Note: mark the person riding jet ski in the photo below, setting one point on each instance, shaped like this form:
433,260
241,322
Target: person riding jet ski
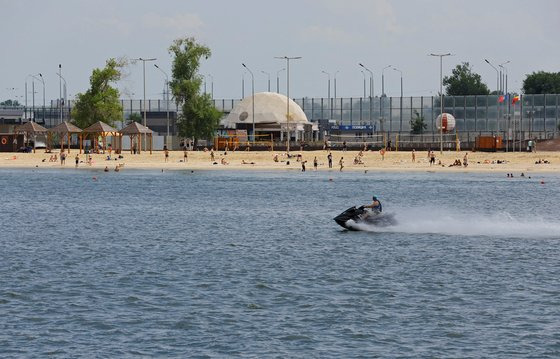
370,214
375,205
373,209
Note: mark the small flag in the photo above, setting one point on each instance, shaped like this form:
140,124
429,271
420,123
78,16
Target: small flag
515,99
501,99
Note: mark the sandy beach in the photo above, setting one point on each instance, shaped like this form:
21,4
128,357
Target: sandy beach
506,162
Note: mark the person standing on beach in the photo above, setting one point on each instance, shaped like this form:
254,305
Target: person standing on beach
185,154
77,158
466,159
413,156
212,158
62,158
341,163
432,158
166,151
315,163
303,166
329,158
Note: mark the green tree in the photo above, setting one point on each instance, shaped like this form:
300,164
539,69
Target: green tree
135,117
199,118
10,103
464,82
101,101
417,124
542,83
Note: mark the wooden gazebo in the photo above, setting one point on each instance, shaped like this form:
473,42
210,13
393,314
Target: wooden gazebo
64,129
135,131
103,130
31,129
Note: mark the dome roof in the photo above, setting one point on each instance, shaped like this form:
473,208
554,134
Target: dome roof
270,107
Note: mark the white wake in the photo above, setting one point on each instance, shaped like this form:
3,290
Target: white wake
453,222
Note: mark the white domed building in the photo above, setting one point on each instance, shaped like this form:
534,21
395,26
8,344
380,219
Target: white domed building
270,120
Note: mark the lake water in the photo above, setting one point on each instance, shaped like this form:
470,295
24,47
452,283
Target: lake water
243,264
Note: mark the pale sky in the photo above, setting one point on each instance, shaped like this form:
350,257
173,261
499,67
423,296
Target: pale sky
330,35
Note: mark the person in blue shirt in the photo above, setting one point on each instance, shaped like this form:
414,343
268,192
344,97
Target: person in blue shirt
375,206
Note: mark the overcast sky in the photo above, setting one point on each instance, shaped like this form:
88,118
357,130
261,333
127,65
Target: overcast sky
330,35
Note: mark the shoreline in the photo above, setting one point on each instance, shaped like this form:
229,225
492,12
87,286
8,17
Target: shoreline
478,162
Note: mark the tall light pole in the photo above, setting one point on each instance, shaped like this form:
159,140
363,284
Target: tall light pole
394,68
364,75
278,79
441,56
60,89
288,95
253,97
371,92
60,93
506,74
497,76
32,94
502,66
144,77
497,92
166,101
43,82
329,91
243,85
335,84
268,75
211,85
383,95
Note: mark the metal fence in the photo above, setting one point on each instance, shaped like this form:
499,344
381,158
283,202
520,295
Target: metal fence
538,114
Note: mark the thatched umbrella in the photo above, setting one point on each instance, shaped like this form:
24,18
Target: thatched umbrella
65,128
136,130
103,130
31,129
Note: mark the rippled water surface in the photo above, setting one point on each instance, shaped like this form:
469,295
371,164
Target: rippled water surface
242,264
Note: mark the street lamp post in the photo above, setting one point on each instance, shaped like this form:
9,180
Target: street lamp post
288,95
243,85
32,94
394,68
329,92
253,97
497,76
60,93
441,56
497,93
371,89
60,89
43,82
364,75
166,101
278,79
335,84
211,85
502,66
268,75
144,77
382,103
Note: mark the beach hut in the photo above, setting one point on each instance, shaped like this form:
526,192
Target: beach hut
135,131
64,129
31,129
103,130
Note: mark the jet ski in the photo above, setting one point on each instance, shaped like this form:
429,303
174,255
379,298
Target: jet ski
356,215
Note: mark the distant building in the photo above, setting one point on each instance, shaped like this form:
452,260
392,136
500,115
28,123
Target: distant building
270,118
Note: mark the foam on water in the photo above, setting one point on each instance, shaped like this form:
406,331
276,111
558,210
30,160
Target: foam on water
454,222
